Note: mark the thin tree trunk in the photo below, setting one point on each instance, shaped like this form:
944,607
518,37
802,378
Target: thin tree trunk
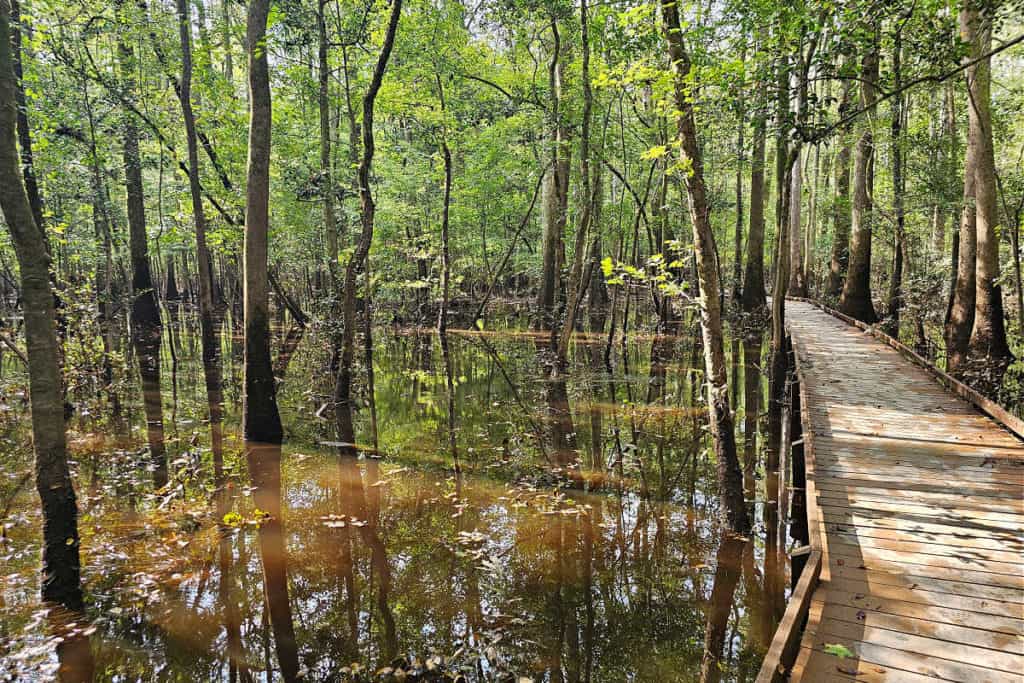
555,200
343,385
326,175
737,247
147,329
28,171
898,187
796,236
61,568
840,257
207,321
576,287
446,278
730,480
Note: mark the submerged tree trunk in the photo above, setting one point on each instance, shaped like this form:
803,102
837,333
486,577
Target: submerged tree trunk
61,568
146,325
261,421
207,313
367,208
855,300
730,480
988,348
446,276
576,287
556,195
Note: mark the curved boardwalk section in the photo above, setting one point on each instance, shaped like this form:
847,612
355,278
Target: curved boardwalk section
918,500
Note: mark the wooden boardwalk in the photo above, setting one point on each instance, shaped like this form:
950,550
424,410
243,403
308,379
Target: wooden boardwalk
916,499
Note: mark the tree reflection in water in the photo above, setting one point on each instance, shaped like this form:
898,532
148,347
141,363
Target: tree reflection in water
333,560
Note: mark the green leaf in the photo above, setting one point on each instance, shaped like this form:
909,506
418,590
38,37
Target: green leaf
606,266
839,650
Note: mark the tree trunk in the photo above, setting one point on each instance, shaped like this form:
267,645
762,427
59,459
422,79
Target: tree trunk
778,360
988,347
737,247
576,287
855,300
446,278
147,331
261,421
754,297
61,568
556,195
229,62
797,287
207,320
326,176
960,314
35,198
898,188
840,211
367,208
730,480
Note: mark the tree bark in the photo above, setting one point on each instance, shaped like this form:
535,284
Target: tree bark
988,347
326,175
261,421
147,330
28,169
556,194
797,286
446,278
960,314
737,249
840,257
730,480
61,568
898,188
207,320
576,287
367,208
754,296
855,300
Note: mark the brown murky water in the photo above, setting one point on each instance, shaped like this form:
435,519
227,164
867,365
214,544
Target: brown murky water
323,569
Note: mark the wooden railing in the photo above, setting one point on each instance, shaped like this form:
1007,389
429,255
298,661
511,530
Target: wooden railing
785,644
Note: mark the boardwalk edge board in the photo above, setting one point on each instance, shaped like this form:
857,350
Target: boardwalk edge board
785,645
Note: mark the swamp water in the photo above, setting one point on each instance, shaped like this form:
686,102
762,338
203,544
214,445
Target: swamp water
326,569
